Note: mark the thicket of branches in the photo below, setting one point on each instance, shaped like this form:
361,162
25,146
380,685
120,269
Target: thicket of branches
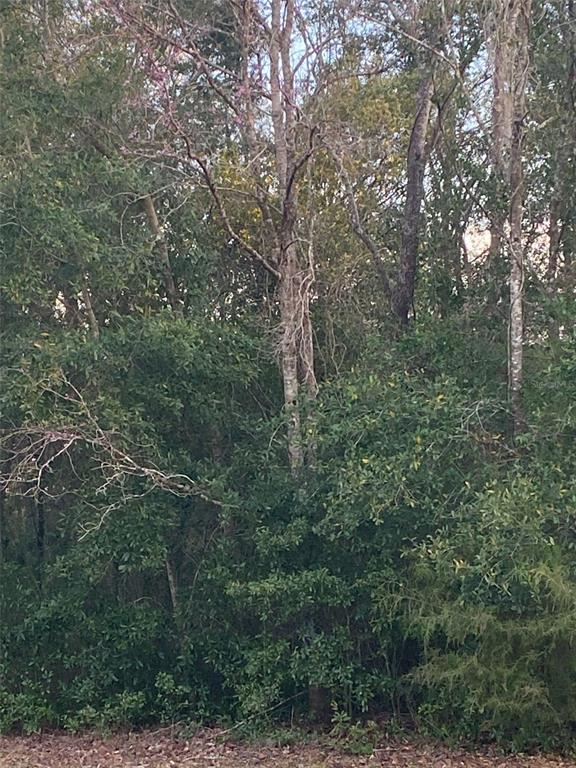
288,363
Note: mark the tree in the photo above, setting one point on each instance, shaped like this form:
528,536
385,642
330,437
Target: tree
508,36
258,94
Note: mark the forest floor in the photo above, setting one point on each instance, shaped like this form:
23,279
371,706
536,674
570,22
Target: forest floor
207,749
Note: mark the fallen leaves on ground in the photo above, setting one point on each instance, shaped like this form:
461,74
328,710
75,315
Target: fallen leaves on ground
157,749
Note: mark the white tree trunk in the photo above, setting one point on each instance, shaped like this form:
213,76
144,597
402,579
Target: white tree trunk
508,28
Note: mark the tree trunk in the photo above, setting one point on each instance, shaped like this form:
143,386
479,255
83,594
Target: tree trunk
510,23
516,341
156,229
40,521
415,167
289,361
555,215
516,347
319,704
296,343
554,240
89,309
173,587
502,23
307,371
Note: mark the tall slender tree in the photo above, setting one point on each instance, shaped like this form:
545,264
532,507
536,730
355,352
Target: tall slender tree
508,27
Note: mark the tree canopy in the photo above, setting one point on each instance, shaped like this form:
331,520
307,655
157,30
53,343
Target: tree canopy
288,359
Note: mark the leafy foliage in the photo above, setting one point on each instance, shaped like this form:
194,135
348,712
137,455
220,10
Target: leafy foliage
159,558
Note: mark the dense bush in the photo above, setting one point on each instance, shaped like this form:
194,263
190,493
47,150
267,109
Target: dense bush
424,566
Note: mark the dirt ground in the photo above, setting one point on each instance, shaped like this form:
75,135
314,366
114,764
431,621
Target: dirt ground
207,749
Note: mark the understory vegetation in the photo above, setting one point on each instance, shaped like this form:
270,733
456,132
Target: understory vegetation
275,444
